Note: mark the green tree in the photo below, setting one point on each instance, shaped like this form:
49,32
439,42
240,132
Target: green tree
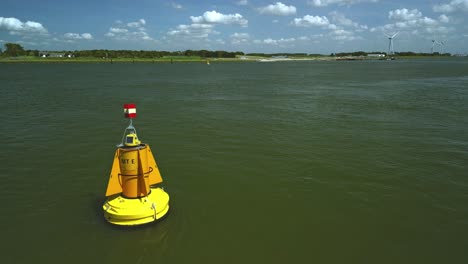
14,50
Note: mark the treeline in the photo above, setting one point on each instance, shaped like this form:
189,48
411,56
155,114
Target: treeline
283,54
15,50
406,53
409,53
356,53
153,54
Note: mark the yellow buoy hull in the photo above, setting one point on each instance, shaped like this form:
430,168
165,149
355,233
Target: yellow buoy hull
119,210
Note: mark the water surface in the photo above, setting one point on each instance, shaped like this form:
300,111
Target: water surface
290,162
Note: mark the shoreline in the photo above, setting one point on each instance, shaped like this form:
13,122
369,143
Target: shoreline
207,60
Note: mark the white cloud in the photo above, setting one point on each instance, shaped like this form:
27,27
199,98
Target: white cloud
242,2
192,31
118,30
213,17
338,2
341,20
271,41
240,35
444,19
17,27
426,21
137,24
404,14
176,6
309,21
278,9
86,36
134,31
315,38
220,41
29,43
203,26
453,6
343,35
143,35
413,21
337,31
239,38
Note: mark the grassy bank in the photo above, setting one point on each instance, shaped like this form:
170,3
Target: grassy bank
30,59
179,59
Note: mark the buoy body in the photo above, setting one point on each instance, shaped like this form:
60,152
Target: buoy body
131,199
119,210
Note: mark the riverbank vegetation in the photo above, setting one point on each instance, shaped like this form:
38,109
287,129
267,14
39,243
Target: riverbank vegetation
16,53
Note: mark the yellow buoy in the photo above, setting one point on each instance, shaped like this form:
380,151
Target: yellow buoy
132,198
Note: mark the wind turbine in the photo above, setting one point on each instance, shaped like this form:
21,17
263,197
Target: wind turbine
390,43
442,44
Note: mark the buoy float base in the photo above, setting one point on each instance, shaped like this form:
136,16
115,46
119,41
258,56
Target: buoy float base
123,211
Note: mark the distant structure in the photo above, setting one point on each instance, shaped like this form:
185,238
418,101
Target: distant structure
433,44
55,54
378,55
440,44
391,51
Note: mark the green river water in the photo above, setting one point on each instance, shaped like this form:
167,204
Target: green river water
288,162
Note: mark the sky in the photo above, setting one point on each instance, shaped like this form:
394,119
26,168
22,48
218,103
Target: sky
293,26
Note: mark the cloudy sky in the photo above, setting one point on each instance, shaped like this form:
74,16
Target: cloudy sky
310,26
